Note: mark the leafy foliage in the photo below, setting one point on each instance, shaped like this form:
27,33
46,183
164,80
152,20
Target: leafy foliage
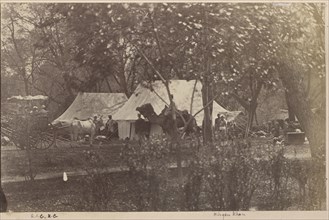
148,165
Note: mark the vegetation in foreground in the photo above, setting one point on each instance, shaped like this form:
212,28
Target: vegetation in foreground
221,177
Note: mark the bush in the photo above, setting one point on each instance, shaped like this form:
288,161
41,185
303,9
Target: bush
276,183
148,174
229,173
221,176
97,186
291,184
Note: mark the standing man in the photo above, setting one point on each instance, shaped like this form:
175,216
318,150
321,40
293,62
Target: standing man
109,126
97,121
222,126
217,121
139,127
276,129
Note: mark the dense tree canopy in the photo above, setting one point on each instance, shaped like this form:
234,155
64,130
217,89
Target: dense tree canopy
236,50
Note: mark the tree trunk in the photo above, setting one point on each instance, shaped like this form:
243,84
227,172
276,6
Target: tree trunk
291,114
256,119
207,95
26,85
251,114
176,142
207,91
252,106
313,124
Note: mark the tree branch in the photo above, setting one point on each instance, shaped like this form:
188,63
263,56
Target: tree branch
41,90
151,64
108,84
192,98
317,16
193,116
14,40
157,39
242,102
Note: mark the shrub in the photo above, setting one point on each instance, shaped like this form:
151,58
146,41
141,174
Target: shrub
148,163
276,181
223,175
231,175
97,186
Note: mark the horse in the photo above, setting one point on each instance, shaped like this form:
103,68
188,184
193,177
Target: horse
164,119
182,117
143,128
82,127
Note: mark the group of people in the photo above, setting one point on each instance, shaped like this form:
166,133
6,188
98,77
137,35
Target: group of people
221,124
33,110
281,127
225,129
37,115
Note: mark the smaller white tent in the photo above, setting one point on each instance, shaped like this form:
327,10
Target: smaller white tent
156,94
86,105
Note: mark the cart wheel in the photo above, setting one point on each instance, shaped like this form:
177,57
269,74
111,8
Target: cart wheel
44,141
20,141
19,145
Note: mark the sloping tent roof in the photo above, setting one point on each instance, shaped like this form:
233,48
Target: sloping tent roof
156,94
86,105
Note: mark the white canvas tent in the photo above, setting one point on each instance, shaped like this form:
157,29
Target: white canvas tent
156,94
86,105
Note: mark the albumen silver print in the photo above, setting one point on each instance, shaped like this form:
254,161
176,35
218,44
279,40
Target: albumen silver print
178,107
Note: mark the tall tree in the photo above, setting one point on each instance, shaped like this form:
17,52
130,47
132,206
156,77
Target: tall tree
20,55
301,65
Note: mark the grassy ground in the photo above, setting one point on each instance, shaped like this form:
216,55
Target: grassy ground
65,158
56,195
37,196
67,196
15,163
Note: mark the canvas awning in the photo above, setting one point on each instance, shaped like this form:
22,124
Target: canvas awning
156,94
87,105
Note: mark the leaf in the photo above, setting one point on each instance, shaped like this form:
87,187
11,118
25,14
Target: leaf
198,26
213,29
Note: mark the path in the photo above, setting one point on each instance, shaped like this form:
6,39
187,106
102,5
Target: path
51,175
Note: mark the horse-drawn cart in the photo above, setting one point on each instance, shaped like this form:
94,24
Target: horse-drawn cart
24,125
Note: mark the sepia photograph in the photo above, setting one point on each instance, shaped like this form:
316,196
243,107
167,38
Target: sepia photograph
180,107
